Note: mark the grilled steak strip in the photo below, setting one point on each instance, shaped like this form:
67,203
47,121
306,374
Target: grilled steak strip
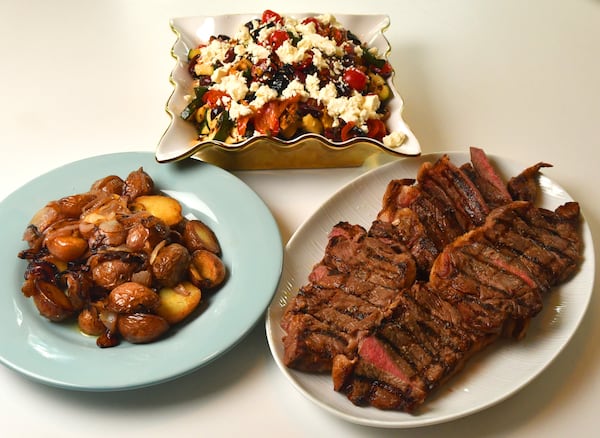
524,187
485,177
452,187
429,213
349,293
487,283
485,263
421,345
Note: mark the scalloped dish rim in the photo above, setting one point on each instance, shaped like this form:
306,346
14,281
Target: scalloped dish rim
179,140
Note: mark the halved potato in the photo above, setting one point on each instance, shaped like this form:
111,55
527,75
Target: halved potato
177,303
163,207
198,235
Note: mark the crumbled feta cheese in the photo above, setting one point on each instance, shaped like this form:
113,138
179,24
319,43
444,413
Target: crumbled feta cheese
243,35
306,28
327,94
288,54
234,85
216,50
294,88
219,74
237,110
254,86
325,45
356,108
312,84
257,51
263,94
290,24
337,67
328,19
318,60
263,34
394,139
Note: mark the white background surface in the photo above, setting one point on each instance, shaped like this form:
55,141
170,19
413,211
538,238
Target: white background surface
520,79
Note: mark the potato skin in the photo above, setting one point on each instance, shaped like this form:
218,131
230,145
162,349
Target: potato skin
197,235
131,297
67,248
170,265
51,302
207,270
89,322
141,328
138,183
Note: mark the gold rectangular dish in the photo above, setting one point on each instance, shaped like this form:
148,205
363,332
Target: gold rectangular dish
262,151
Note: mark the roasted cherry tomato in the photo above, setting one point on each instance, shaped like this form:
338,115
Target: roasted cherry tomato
266,119
385,70
377,129
314,21
242,125
348,131
213,98
277,37
355,79
338,35
269,15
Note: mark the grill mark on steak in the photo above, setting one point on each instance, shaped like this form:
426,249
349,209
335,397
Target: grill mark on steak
552,240
410,354
350,290
476,293
483,263
466,200
311,345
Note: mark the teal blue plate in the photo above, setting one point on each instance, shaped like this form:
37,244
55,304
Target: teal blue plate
60,355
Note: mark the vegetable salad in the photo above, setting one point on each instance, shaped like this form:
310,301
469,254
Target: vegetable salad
284,77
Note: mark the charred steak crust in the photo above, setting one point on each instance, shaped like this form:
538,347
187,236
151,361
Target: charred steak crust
349,293
451,263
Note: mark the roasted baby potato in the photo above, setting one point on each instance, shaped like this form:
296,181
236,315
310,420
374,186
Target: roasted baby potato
177,303
197,235
163,207
131,297
67,248
170,264
207,270
140,328
89,321
51,302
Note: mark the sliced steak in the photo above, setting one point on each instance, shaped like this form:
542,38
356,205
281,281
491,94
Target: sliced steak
418,347
485,177
484,257
349,293
489,282
431,212
524,187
